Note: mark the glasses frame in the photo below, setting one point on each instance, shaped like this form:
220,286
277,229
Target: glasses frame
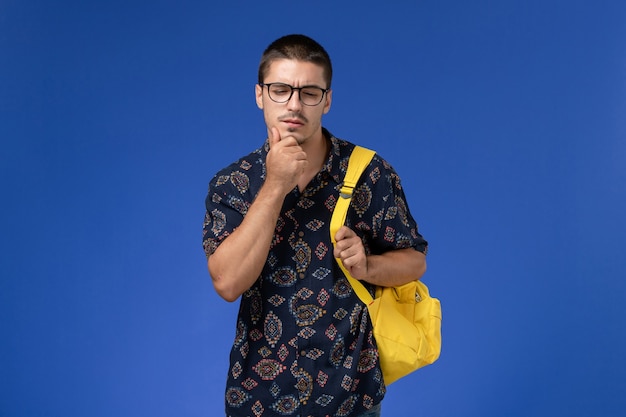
269,85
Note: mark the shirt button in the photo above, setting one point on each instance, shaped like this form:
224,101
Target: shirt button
301,276
303,353
301,234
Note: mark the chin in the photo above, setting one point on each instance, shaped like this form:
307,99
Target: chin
296,134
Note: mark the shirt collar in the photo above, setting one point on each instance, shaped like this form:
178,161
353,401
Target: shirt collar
332,166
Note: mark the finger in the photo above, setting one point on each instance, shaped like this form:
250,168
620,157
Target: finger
349,261
345,248
274,136
344,233
354,265
350,252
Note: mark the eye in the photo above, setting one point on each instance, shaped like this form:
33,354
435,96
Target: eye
312,92
280,89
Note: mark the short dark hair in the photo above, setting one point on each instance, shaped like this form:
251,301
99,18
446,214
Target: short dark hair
298,47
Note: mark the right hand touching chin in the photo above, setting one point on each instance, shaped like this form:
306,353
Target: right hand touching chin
285,162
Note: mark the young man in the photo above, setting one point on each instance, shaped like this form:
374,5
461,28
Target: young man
304,343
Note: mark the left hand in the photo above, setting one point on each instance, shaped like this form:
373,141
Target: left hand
350,250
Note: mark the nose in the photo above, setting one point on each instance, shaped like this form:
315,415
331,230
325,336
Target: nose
294,102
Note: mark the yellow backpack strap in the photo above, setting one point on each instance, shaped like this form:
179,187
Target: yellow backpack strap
359,160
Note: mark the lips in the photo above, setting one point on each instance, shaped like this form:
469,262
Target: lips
293,122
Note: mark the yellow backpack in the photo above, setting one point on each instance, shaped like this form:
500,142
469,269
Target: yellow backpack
406,319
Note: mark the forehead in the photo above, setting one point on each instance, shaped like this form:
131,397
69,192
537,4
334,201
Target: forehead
295,72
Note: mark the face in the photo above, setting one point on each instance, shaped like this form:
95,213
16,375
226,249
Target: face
293,118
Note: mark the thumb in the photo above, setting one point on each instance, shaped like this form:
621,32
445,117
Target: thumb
274,136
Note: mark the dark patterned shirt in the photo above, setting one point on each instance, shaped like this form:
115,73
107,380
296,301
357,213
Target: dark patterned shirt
303,343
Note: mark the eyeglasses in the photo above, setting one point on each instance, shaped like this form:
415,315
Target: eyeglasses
281,93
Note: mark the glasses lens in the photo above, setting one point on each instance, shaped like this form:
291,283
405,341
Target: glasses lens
280,93
311,95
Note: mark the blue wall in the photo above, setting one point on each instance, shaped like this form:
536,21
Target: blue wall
505,120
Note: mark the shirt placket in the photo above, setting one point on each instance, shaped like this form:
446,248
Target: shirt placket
306,335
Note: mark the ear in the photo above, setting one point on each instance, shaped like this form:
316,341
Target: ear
329,99
258,92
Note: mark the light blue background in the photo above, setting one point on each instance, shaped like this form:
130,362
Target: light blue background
505,119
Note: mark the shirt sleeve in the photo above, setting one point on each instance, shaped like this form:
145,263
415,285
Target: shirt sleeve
379,212
227,203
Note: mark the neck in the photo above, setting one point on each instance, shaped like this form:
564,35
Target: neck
316,149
